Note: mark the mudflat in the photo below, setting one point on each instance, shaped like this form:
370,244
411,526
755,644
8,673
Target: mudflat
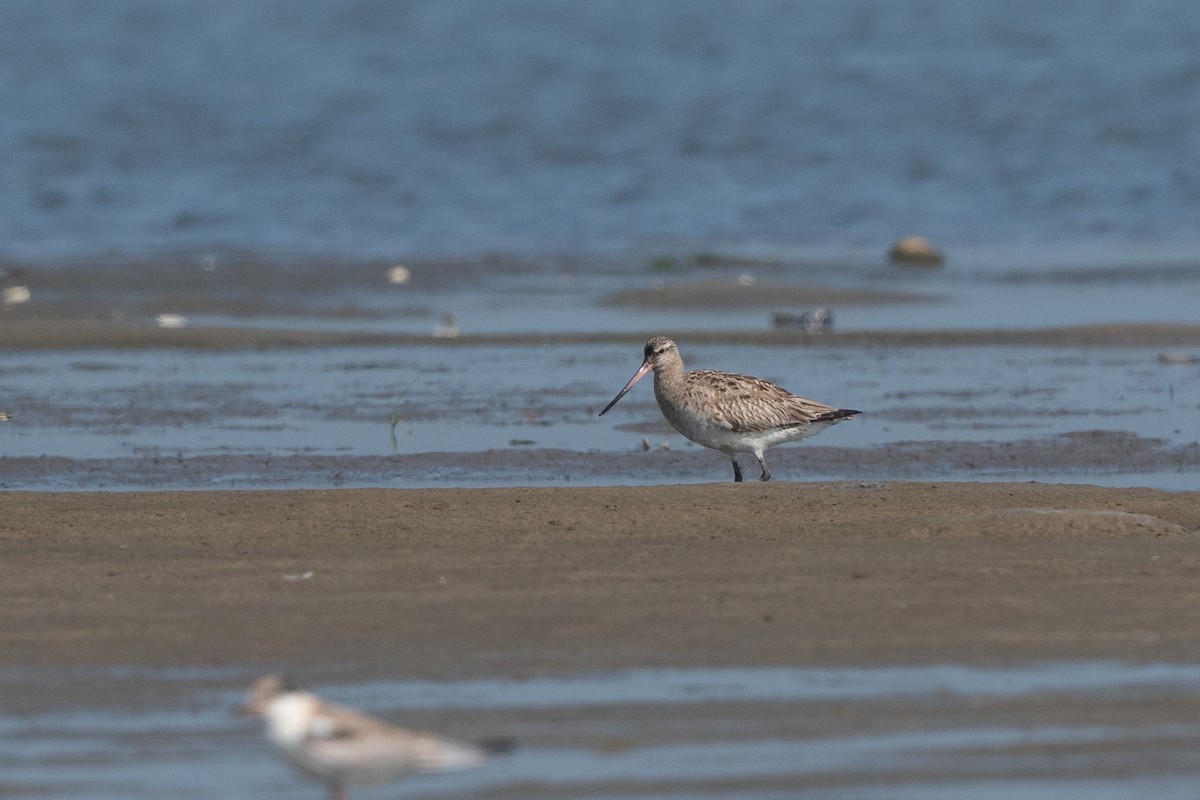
451,583
57,333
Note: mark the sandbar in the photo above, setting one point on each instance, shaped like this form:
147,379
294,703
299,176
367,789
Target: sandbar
454,582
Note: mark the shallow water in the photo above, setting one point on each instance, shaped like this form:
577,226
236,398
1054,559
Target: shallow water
354,403
1055,729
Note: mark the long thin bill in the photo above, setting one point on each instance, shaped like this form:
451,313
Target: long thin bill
637,376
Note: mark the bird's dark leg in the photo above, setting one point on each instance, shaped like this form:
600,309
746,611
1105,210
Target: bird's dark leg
737,471
762,462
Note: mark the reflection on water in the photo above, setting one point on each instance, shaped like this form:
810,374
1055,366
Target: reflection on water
1050,730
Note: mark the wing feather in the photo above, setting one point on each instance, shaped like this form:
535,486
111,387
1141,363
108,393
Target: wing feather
745,404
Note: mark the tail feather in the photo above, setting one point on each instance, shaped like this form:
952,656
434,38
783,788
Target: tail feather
833,416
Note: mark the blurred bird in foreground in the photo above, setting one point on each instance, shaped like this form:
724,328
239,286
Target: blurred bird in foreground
342,747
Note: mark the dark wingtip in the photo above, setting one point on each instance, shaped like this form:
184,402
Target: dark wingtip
497,746
841,413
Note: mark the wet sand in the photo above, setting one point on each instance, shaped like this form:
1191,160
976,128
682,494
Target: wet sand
519,581
50,333
726,294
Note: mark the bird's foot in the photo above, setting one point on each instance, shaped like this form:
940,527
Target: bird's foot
766,472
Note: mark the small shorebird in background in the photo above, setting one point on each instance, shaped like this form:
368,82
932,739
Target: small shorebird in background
728,412
341,747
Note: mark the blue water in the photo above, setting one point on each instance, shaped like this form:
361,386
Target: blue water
457,127
1038,730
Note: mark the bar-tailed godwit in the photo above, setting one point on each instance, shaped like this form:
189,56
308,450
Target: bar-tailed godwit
341,747
728,412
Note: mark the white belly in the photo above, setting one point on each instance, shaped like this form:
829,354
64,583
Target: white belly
721,438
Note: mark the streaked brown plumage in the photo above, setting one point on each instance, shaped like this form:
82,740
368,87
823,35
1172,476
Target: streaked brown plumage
726,411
